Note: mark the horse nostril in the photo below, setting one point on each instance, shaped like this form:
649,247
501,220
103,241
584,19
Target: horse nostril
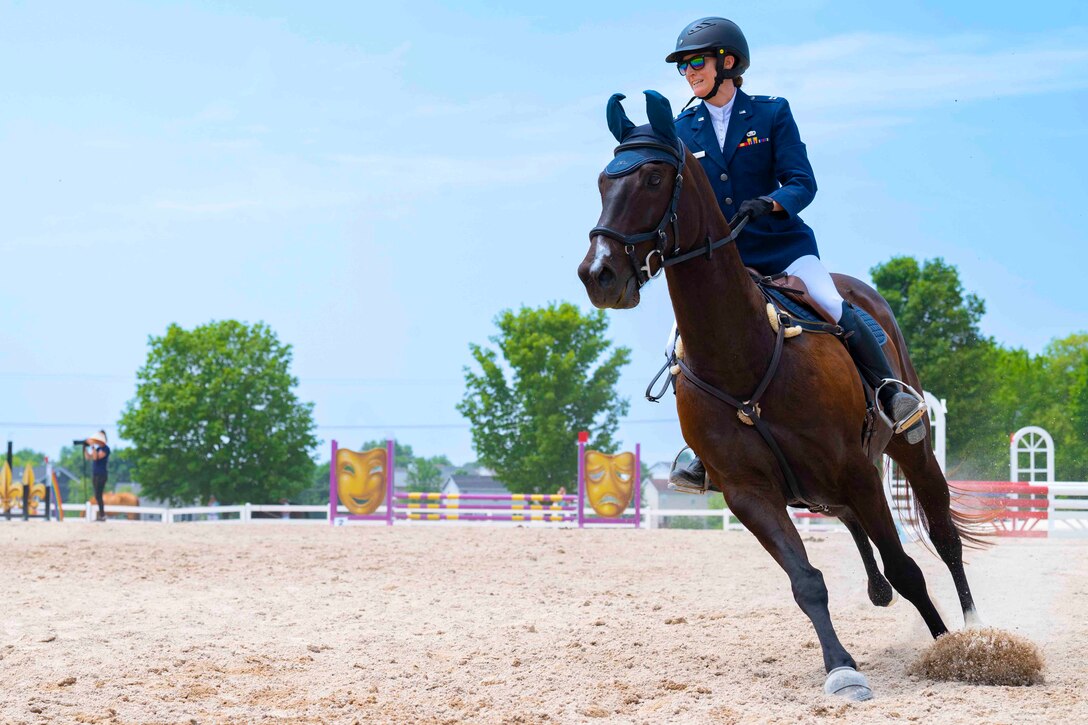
606,277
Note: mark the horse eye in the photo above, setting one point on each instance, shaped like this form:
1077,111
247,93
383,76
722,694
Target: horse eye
654,180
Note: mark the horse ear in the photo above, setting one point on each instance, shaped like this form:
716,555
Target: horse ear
618,123
660,113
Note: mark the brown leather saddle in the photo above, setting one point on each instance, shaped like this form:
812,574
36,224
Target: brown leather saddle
796,288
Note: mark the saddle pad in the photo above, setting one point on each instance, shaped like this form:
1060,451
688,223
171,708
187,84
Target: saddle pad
801,311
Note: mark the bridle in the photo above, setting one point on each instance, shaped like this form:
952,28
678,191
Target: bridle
660,233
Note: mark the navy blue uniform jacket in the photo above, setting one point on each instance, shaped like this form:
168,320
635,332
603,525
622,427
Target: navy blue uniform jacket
763,156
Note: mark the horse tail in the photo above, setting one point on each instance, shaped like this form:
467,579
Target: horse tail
972,522
969,515
974,525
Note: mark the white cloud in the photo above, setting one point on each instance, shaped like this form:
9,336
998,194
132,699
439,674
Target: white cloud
896,72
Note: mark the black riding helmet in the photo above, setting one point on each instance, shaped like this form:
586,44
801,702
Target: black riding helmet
714,34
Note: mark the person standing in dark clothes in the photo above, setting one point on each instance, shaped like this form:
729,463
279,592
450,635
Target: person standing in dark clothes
96,450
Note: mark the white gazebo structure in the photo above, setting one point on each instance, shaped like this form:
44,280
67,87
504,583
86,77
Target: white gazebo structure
938,411
1031,455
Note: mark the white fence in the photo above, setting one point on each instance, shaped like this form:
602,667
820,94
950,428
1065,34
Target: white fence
1066,514
281,513
803,520
1067,509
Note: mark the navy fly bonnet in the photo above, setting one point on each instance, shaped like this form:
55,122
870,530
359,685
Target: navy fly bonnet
655,141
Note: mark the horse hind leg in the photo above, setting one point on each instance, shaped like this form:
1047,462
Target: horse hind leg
871,510
931,490
881,592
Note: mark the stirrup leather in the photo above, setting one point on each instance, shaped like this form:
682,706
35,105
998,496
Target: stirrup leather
899,427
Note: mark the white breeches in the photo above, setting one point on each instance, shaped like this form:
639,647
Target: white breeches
820,287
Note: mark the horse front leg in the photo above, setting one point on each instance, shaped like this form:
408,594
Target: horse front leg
768,521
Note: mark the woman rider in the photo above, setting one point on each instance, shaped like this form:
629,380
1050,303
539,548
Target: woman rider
753,155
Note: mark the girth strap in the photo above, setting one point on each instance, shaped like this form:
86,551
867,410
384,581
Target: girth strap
793,490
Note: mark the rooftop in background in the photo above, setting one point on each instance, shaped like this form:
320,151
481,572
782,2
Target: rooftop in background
474,483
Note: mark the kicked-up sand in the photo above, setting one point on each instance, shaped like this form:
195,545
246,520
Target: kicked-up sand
275,623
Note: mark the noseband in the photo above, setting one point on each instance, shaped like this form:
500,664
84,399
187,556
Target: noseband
659,233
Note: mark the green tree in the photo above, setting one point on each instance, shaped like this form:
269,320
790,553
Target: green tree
215,415
953,359
23,456
71,458
121,466
562,380
1060,403
402,452
425,474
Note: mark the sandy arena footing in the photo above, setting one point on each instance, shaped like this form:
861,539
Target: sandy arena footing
196,623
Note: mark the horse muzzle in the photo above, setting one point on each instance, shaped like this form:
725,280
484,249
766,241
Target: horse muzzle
607,288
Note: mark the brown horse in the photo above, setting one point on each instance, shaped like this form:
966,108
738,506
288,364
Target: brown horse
814,406
123,498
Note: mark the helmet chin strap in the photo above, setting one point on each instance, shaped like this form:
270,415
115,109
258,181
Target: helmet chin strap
718,78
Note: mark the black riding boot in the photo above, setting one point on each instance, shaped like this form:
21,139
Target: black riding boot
904,409
690,477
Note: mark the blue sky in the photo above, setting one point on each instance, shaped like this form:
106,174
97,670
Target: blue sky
378,183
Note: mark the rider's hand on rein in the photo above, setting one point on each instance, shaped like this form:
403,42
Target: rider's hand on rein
754,208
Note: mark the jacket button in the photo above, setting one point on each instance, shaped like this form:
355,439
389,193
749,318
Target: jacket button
728,201
724,177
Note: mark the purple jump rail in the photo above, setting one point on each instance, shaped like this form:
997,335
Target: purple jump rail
451,516
525,497
485,507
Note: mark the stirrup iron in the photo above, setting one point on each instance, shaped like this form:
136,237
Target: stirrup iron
683,486
906,423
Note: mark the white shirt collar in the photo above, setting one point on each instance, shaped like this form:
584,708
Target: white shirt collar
719,116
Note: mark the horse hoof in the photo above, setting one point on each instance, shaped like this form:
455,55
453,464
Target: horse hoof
881,594
848,683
